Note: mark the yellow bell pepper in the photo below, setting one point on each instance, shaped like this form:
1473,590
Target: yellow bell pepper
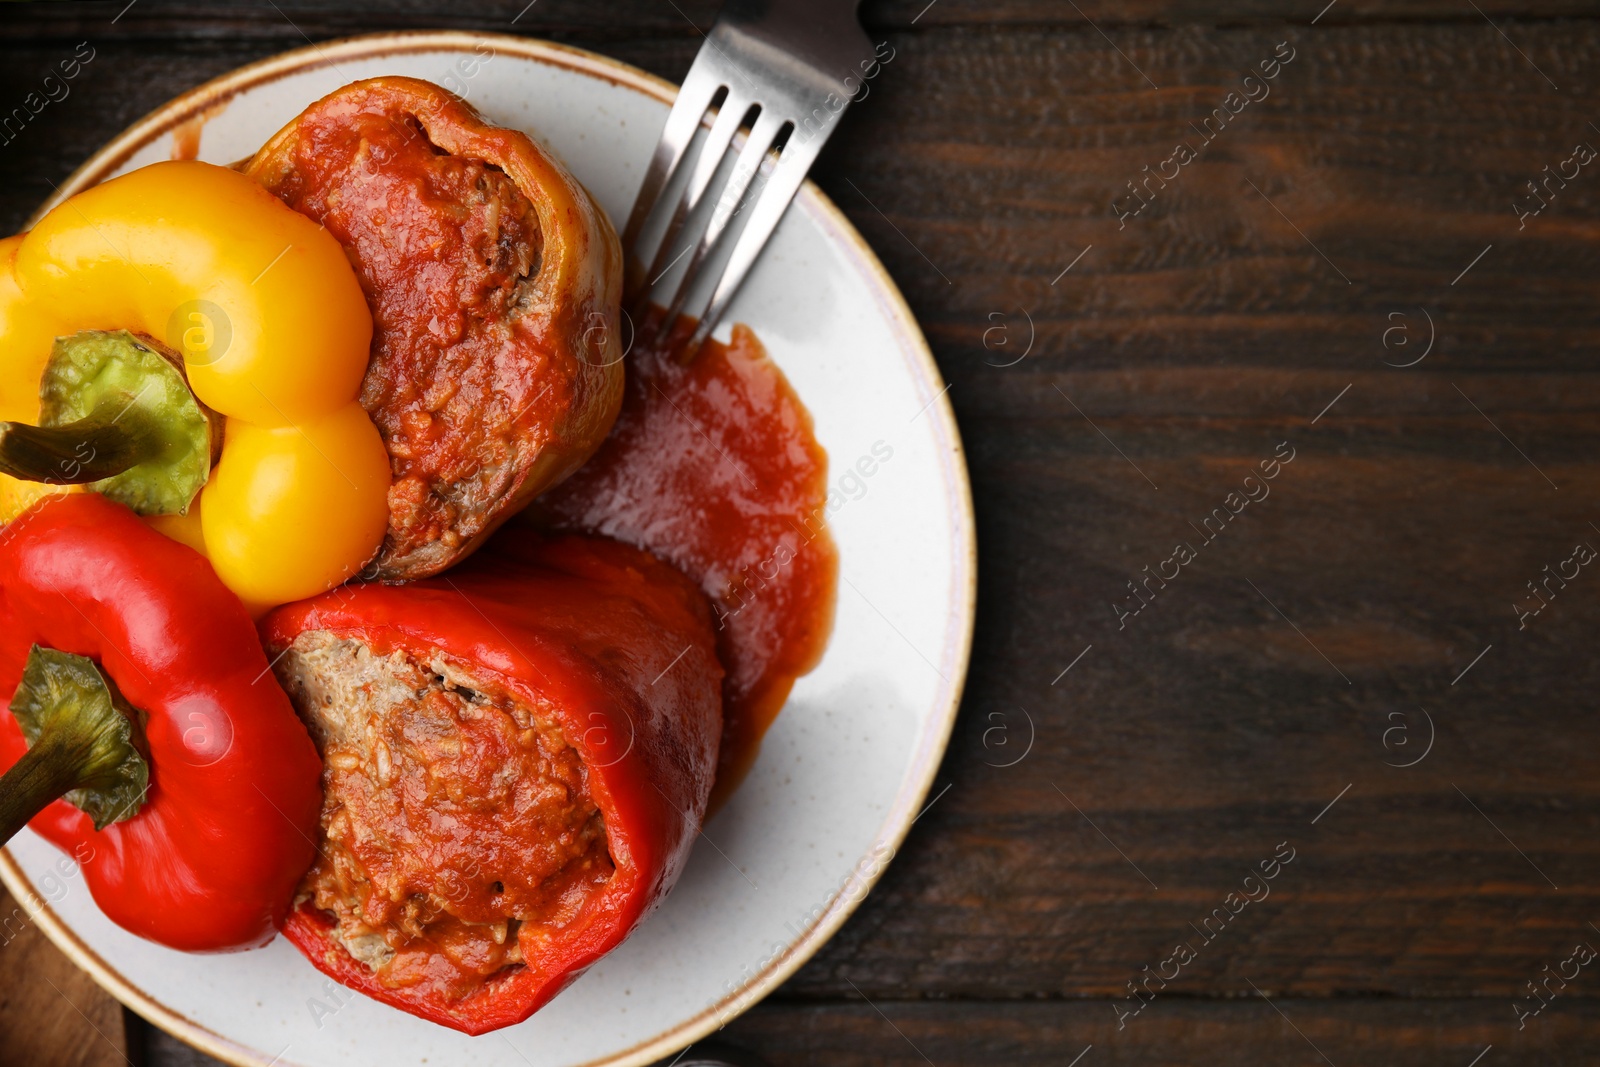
273,331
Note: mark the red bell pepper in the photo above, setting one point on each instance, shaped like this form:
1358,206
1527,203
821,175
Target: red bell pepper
614,649
144,691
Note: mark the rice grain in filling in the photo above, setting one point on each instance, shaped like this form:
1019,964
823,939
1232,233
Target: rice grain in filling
459,829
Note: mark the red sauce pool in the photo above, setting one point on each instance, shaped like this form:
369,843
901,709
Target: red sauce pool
712,466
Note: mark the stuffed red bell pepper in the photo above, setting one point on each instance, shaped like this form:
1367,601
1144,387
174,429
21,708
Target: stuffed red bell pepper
143,696
518,756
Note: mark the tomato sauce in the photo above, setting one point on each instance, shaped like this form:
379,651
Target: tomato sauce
713,466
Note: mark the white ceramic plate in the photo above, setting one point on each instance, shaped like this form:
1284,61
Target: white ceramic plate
845,768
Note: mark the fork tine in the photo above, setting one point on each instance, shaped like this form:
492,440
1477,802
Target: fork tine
773,201
729,201
797,60
700,87
716,146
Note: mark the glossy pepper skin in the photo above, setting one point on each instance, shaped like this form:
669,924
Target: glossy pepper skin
621,646
274,333
210,861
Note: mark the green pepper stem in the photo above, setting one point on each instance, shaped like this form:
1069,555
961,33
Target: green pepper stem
83,744
47,772
115,437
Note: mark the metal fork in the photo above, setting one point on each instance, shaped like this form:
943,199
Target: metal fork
795,65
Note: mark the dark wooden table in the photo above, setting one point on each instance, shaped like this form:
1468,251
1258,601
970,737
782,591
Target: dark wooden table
1349,668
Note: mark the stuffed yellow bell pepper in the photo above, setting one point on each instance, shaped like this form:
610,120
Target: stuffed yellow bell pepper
179,314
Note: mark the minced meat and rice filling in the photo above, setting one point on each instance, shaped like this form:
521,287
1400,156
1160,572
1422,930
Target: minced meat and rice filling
458,824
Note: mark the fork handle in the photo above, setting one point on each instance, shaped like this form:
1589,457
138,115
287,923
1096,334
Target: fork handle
825,33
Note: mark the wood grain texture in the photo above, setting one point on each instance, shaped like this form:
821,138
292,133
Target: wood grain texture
1178,353
1314,644
51,1013
1185,1033
628,19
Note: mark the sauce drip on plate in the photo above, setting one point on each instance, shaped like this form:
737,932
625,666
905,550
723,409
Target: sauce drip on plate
713,466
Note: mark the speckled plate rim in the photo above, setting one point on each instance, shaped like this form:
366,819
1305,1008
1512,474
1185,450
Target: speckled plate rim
955,656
